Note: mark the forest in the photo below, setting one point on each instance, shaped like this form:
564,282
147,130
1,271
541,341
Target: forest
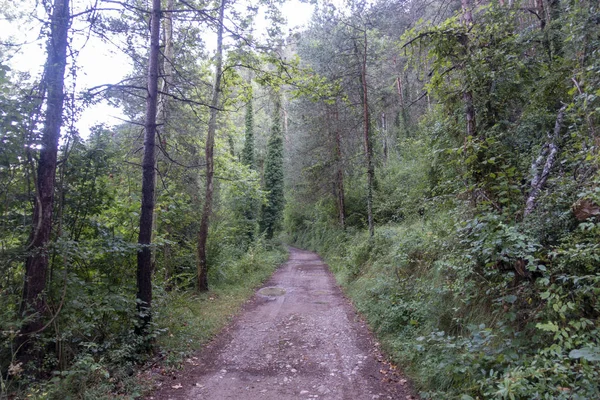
441,156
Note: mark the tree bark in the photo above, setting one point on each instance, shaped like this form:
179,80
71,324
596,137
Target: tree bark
144,255
367,135
209,152
539,4
468,95
162,113
33,304
385,138
555,36
340,170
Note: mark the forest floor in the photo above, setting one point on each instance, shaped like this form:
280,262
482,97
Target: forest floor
298,338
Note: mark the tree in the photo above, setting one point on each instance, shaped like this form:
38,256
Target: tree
209,153
339,165
163,98
248,159
467,93
144,255
367,136
248,151
272,210
33,304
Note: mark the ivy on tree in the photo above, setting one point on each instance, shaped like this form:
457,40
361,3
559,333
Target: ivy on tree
272,210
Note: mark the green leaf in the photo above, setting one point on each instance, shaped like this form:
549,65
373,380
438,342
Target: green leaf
587,353
548,327
544,295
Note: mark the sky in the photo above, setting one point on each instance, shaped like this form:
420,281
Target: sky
99,63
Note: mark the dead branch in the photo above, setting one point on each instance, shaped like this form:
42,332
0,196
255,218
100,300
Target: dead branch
540,177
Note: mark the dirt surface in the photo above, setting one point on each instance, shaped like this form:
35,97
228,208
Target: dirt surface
298,338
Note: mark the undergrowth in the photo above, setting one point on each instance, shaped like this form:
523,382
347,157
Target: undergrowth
112,366
462,325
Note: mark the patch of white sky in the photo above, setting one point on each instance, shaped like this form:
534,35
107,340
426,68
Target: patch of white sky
99,63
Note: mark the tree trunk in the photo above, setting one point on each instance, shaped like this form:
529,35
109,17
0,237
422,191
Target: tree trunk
367,136
385,138
404,110
33,304
555,36
144,255
468,95
162,110
541,12
340,170
209,151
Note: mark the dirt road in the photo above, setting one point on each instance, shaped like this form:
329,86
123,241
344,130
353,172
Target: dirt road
299,338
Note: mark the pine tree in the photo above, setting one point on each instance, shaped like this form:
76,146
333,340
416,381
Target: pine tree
273,209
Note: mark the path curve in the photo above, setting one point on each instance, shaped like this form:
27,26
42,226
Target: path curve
308,343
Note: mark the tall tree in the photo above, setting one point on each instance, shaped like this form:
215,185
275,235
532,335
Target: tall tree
163,98
367,128
339,175
248,159
144,255
248,151
272,210
33,304
209,153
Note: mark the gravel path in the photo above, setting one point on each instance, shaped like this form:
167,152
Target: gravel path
298,338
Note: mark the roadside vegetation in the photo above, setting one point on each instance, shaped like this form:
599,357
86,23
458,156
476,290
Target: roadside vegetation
483,274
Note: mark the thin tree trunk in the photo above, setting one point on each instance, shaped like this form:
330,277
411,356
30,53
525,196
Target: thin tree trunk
385,138
555,36
209,151
539,4
162,106
404,110
468,95
340,169
144,255
367,136
33,304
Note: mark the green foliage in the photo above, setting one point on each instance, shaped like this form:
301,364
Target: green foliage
403,183
473,298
